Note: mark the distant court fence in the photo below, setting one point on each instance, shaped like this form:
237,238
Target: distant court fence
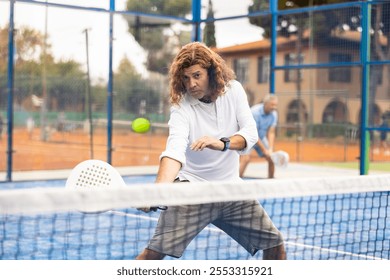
58,106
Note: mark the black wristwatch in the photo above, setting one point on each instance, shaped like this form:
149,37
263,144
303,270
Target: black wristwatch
226,142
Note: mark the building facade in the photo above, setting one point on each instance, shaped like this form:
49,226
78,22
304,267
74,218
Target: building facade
315,96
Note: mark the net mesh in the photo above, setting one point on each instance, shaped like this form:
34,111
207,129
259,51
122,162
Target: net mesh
344,217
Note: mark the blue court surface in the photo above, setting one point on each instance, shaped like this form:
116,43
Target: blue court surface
354,226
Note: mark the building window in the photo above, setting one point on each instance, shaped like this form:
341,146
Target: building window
263,66
335,112
340,74
291,75
241,66
296,112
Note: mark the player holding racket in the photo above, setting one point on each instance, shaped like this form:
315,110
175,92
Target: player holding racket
210,124
266,118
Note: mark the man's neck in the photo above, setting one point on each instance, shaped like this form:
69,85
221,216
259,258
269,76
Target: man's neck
205,99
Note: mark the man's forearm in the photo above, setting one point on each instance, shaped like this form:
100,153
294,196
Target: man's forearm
168,170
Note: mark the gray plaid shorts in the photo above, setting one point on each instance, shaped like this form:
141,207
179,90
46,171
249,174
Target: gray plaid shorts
244,221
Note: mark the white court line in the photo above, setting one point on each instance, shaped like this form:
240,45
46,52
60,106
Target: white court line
302,245
332,251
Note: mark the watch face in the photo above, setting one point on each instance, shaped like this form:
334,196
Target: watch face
225,139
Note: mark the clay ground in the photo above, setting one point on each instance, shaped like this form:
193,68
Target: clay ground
64,150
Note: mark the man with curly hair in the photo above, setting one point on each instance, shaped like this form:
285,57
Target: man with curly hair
210,126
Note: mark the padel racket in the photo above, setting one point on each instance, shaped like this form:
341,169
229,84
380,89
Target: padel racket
280,158
96,174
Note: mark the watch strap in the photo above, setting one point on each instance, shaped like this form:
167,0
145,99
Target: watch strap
226,142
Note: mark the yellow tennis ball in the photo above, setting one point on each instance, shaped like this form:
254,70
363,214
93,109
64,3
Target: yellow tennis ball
140,125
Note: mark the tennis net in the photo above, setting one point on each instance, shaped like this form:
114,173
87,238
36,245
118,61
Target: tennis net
320,218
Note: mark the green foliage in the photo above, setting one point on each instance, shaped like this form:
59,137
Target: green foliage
261,21
152,36
65,80
324,22
328,130
290,4
131,91
161,7
209,30
28,43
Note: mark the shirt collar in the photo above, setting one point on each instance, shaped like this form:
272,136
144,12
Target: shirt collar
262,110
193,101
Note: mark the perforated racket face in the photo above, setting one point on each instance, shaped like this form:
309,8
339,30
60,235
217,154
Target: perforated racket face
92,175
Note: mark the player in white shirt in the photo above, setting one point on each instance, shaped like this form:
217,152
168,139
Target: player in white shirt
210,126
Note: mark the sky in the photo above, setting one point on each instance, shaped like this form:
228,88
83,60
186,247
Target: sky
67,27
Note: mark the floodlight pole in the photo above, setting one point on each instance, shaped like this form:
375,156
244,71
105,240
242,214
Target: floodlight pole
110,84
44,82
10,86
88,96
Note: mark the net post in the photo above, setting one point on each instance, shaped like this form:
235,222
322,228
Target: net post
365,57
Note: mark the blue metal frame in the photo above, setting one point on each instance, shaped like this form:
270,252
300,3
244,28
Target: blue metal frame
274,17
196,20
365,57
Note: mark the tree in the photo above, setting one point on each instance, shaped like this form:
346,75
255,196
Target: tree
209,30
158,38
66,84
27,50
28,44
132,92
288,24
66,79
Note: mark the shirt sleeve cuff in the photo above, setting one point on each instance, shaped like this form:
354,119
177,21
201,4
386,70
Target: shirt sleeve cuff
174,156
249,143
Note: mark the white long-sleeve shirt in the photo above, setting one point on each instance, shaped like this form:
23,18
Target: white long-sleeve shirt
229,115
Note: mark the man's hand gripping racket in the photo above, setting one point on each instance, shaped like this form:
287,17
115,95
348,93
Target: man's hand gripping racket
96,174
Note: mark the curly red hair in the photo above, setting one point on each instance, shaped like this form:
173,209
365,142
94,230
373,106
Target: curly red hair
198,54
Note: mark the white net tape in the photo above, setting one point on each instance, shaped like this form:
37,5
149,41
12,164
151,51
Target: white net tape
138,195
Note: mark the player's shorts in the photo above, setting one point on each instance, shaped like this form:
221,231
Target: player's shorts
257,148
245,221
